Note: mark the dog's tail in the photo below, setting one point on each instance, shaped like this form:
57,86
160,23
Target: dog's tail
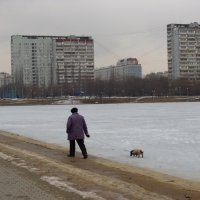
131,153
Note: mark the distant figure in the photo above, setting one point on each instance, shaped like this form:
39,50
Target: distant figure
76,128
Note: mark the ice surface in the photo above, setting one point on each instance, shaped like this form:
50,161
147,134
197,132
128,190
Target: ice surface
167,132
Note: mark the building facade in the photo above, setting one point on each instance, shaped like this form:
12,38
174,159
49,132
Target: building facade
128,68
5,79
125,68
157,75
104,73
51,60
183,44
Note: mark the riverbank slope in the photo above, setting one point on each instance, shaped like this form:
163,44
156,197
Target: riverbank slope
93,178
97,100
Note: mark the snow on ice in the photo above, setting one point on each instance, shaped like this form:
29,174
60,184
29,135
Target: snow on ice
168,133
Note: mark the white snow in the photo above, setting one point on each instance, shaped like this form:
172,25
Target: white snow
56,181
168,133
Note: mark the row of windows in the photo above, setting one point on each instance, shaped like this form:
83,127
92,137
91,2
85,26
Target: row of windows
189,31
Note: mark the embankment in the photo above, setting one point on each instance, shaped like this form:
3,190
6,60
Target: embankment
92,178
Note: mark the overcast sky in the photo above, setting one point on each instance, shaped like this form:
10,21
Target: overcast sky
120,28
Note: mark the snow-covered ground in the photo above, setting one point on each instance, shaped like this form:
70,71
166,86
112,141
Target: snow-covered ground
169,133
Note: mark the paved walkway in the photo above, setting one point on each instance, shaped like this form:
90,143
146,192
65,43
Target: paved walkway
14,186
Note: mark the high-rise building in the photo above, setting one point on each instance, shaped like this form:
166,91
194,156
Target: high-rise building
125,68
183,44
51,60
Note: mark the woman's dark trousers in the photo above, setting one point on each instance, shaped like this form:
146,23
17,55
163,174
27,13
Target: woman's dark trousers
80,144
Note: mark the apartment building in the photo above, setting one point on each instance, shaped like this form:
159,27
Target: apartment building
104,73
128,67
5,79
157,75
125,68
74,59
183,44
51,60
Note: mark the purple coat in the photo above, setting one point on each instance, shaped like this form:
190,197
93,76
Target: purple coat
76,127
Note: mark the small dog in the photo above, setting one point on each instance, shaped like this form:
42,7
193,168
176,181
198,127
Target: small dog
136,152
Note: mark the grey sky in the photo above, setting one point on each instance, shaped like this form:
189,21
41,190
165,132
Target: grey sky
120,28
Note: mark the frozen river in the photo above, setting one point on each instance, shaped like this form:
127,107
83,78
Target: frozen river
167,132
